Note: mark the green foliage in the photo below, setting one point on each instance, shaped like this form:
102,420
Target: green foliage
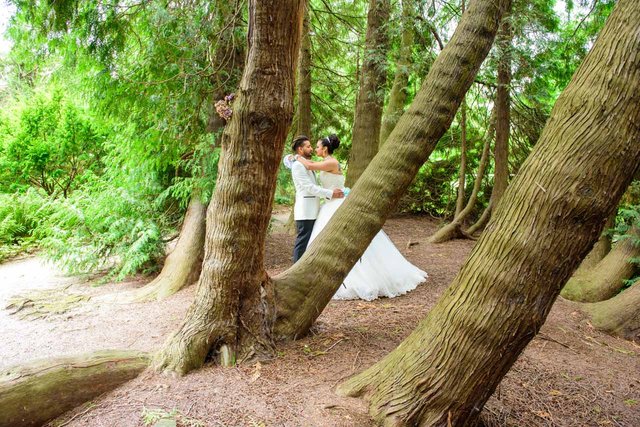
107,226
21,215
52,145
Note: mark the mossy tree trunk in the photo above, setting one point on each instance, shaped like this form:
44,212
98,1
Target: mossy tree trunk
233,310
398,94
32,394
605,279
306,288
619,315
370,100
547,221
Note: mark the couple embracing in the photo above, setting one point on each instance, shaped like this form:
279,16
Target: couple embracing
382,271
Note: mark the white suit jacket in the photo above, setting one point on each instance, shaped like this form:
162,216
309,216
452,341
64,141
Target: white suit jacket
308,193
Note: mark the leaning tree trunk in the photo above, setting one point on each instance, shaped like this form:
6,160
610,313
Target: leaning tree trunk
183,265
454,228
619,315
303,125
605,279
32,394
370,100
548,219
398,94
233,311
306,288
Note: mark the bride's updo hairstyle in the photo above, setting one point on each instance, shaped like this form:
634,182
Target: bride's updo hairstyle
331,142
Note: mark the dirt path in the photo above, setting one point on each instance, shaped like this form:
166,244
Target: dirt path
570,375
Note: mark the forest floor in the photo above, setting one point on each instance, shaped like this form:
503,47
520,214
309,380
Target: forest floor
569,375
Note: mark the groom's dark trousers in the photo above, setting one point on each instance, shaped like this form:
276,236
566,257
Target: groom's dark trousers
304,228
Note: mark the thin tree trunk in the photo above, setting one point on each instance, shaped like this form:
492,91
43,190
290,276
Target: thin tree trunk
605,279
482,221
398,94
233,310
303,125
454,228
502,109
547,221
183,265
32,394
619,315
463,147
370,100
306,288
463,158
503,105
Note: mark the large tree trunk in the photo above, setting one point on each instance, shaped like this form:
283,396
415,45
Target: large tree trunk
547,221
233,310
398,94
454,228
619,315
370,100
303,125
605,279
306,288
32,394
183,265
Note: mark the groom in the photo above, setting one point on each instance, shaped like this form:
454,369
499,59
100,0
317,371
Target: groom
308,193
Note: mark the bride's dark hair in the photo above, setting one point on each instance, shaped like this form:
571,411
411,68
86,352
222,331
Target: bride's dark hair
331,142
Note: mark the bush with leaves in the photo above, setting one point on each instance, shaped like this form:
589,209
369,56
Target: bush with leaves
107,226
50,144
21,216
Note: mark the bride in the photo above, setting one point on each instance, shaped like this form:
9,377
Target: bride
382,271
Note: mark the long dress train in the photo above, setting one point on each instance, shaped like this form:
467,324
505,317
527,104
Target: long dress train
382,271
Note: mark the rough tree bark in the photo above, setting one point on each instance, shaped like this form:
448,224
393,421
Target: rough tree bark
233,310
370,100
306,288
184,264
398,94
547,221
619,315
32,394
605,279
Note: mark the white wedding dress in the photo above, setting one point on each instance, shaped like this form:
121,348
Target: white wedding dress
382,271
